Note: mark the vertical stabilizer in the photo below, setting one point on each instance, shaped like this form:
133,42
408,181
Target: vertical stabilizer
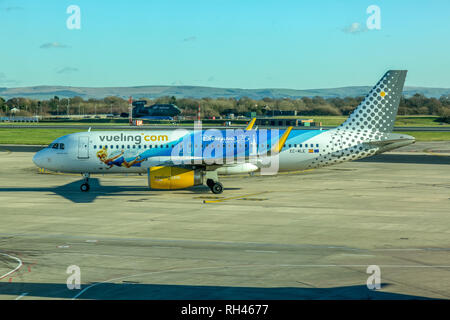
378,110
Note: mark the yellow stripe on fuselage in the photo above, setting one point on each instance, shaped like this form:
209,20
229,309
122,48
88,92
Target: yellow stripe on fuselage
280,144
251,124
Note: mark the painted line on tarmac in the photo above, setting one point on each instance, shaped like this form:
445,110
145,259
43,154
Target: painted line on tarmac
12,271
435,154
21,296
234,198
295,172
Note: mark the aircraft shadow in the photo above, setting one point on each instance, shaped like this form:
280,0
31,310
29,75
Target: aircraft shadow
137,291
72,192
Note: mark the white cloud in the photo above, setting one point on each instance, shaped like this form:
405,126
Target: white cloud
355,28
192,38
66,70
12,8
50,45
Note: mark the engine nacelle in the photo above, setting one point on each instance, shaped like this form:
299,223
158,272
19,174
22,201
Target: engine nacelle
238,169
170,178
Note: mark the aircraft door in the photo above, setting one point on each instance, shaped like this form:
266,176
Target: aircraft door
83,147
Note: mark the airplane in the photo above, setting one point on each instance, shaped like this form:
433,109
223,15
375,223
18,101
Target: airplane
181,158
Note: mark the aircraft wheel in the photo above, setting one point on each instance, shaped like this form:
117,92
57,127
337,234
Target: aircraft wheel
84,187
217,188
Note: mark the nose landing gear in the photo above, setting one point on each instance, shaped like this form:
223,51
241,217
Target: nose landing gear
85,186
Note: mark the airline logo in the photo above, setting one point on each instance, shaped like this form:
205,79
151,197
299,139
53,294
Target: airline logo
137,139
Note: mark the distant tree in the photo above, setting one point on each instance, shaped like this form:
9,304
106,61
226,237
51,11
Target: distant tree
76,100
13,103
3,106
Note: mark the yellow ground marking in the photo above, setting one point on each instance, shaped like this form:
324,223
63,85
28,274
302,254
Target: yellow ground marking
234,198
295,172
434,154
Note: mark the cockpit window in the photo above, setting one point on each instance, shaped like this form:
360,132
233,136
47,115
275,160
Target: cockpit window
56,146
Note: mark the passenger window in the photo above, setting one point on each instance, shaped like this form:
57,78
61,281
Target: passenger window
95,147
167,145
300,145
128,146
139,146
117,146
150,146
134,147
317,145
123,147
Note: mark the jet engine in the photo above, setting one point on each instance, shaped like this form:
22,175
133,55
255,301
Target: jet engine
170,178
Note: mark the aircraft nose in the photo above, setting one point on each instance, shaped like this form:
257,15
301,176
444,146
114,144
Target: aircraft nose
37,159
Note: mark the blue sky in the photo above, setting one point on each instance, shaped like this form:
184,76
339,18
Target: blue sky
240,44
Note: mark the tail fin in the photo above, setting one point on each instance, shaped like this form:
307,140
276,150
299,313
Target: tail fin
378,110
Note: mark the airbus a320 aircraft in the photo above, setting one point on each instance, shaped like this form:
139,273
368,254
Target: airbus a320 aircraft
177,159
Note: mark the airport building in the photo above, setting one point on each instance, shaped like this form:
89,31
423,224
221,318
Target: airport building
286,122
156,111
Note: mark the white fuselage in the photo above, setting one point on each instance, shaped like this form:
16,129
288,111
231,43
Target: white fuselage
135,151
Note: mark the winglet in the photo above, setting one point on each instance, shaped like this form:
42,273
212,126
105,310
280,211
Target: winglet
250,125
280,144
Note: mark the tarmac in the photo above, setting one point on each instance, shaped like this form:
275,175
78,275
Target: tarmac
300,235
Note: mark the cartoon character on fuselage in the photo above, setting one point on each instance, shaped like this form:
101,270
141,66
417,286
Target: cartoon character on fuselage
117,160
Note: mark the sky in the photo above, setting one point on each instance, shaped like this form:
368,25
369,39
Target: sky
233,44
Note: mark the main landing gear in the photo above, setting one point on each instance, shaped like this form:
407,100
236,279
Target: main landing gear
215,186
85,186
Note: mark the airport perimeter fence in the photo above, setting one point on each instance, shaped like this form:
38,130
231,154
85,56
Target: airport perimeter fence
19,119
